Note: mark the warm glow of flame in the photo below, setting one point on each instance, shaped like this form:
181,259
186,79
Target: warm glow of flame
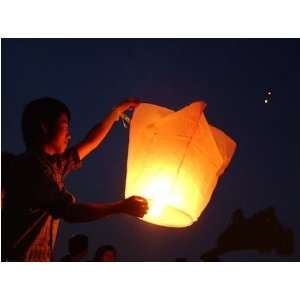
157,190
165,197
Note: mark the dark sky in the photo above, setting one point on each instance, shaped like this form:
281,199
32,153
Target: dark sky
231,75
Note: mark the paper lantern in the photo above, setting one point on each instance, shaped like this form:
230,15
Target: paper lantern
174,161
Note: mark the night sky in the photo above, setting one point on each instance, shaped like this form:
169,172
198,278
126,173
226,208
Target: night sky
232,75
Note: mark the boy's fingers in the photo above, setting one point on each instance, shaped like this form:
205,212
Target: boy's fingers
139,206
141,199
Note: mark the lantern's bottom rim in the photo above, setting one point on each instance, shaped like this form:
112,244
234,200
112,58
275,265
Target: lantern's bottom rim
173,217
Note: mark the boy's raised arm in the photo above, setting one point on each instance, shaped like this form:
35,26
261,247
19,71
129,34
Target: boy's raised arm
99,132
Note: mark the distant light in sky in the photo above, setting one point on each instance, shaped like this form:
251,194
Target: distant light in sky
268,97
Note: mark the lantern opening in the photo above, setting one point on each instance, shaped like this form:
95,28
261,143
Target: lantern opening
164,200
166,215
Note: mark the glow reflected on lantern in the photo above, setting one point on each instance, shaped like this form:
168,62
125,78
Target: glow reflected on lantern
166,198
158,191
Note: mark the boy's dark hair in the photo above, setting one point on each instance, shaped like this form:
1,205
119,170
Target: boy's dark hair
45,111
78,243
101,250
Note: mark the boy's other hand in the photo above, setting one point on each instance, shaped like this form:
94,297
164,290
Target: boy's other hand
135,206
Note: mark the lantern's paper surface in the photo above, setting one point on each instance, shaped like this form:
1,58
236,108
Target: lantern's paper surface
174,161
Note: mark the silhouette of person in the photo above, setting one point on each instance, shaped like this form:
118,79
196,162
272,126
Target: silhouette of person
261,232
78,248
36,198
106,253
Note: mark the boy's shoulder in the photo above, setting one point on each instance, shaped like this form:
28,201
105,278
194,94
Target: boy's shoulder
36,164
24,166
16,164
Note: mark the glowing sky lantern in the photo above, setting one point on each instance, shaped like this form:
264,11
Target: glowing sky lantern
174,161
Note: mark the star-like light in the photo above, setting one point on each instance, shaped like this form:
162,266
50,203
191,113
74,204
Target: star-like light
268,96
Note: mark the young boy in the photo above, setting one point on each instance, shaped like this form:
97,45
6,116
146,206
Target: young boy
35,198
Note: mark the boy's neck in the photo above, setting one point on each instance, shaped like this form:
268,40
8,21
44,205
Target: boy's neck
45,149
48,149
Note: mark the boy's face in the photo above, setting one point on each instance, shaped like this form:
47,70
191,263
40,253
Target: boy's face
61,136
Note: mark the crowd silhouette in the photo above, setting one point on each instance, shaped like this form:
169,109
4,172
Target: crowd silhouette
78,247
261,232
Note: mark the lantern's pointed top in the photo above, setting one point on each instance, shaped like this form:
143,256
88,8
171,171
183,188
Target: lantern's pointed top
202,104
196,107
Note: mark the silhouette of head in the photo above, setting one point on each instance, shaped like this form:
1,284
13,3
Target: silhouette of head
78,245
39,120
106,253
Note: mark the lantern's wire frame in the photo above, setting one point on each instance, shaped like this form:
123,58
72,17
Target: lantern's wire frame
125,120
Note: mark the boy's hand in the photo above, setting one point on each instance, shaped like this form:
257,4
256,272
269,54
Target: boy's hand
128,103
135,206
